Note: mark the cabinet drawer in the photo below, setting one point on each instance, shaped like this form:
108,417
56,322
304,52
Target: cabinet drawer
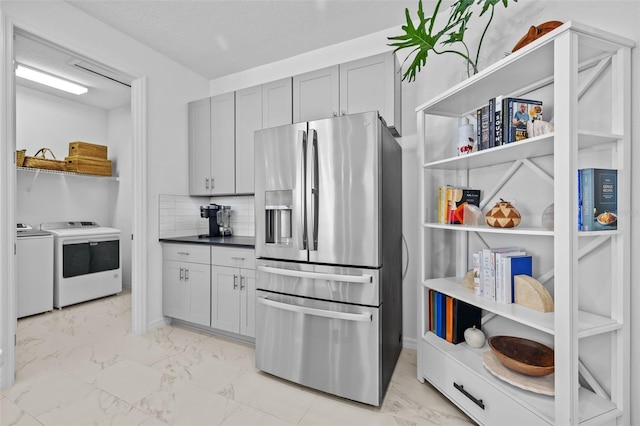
482,401
234,257
193,253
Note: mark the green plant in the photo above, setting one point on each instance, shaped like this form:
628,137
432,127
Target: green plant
424,39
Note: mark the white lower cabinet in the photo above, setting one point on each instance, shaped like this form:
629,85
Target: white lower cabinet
233,290
186,283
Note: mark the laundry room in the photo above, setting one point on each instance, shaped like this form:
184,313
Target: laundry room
48,123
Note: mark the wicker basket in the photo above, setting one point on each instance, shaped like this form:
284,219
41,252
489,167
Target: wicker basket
39,161
20,157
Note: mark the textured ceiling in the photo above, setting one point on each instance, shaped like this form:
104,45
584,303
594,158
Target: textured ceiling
215,38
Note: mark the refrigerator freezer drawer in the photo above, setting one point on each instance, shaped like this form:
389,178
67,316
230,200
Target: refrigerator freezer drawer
334,283
332,347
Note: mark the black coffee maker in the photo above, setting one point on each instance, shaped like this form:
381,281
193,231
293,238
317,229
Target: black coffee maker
211,212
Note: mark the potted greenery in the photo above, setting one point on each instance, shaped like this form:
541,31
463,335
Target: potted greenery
424,38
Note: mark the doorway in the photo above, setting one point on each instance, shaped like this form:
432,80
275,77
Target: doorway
133,178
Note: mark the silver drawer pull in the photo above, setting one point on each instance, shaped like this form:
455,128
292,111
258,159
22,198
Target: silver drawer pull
476,401
186,253
364,278
238,258
362,317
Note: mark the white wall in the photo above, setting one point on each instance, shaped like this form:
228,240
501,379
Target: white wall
44,120
169,87
442,72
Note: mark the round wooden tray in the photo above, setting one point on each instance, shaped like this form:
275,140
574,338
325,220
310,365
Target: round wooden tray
523,355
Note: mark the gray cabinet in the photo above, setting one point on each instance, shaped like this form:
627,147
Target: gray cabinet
368,84
316,94
200,147
221,132
186,283
212,145
248,119
277,103
233,290
223,144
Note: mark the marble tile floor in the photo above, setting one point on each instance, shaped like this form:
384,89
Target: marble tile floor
81,365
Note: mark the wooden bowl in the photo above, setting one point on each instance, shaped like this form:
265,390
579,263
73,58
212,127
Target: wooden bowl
523,355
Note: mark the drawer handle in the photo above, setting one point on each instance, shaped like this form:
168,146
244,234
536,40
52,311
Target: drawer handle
237,258
478,402
186,253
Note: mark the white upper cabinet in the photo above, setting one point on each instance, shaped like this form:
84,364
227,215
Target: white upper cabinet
277,107
368,84
223,144
372,84
200,147
316,94
248,120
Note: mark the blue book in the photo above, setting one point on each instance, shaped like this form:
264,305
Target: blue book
519,265
599,199
580,200
441,317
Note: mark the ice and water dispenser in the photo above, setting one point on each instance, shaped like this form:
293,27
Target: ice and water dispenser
278,207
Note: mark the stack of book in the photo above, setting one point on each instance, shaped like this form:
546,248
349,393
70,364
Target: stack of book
450,317
597,199
504,120
494,271
451,201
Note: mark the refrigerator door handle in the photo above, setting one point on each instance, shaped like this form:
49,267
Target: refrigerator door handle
312,190
301,193
363,279
362,317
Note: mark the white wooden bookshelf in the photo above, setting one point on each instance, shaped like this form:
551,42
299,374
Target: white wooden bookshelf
565,64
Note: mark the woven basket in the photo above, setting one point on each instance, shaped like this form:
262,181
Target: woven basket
39,161
20,157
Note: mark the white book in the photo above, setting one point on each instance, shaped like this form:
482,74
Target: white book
503,287
489,270
476,274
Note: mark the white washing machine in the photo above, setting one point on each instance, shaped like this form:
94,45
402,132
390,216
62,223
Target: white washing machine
34,260
87,263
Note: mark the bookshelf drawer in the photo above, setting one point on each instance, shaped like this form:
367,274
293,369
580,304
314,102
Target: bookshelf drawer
483,402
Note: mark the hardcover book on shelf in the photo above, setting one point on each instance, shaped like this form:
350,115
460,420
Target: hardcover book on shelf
516,113
497,121
502,260
440,314
464,316
483,124
515,265
599,195
450,319
462,196
488,267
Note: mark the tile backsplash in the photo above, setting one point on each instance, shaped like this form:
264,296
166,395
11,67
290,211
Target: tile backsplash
179,215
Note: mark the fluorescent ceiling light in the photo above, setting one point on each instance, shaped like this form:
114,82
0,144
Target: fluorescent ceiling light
49,80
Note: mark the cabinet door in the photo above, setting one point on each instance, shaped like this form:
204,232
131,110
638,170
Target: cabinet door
248,120
316,94
198,279
248,302
225,299
277,103
223,144
200,147
372,84
175,295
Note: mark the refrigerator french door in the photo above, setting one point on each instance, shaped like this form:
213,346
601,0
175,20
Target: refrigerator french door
328,241
317,191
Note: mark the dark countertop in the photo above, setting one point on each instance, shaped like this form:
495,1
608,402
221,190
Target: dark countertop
232,241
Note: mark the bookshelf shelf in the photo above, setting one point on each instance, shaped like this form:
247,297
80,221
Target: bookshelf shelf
590,310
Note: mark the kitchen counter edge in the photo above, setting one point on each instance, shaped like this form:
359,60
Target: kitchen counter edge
233,241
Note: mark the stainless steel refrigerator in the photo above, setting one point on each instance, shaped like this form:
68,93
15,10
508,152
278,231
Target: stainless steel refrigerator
328,206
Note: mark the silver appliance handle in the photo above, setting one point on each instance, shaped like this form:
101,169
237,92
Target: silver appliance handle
362,317
300,194
363,279
312,190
